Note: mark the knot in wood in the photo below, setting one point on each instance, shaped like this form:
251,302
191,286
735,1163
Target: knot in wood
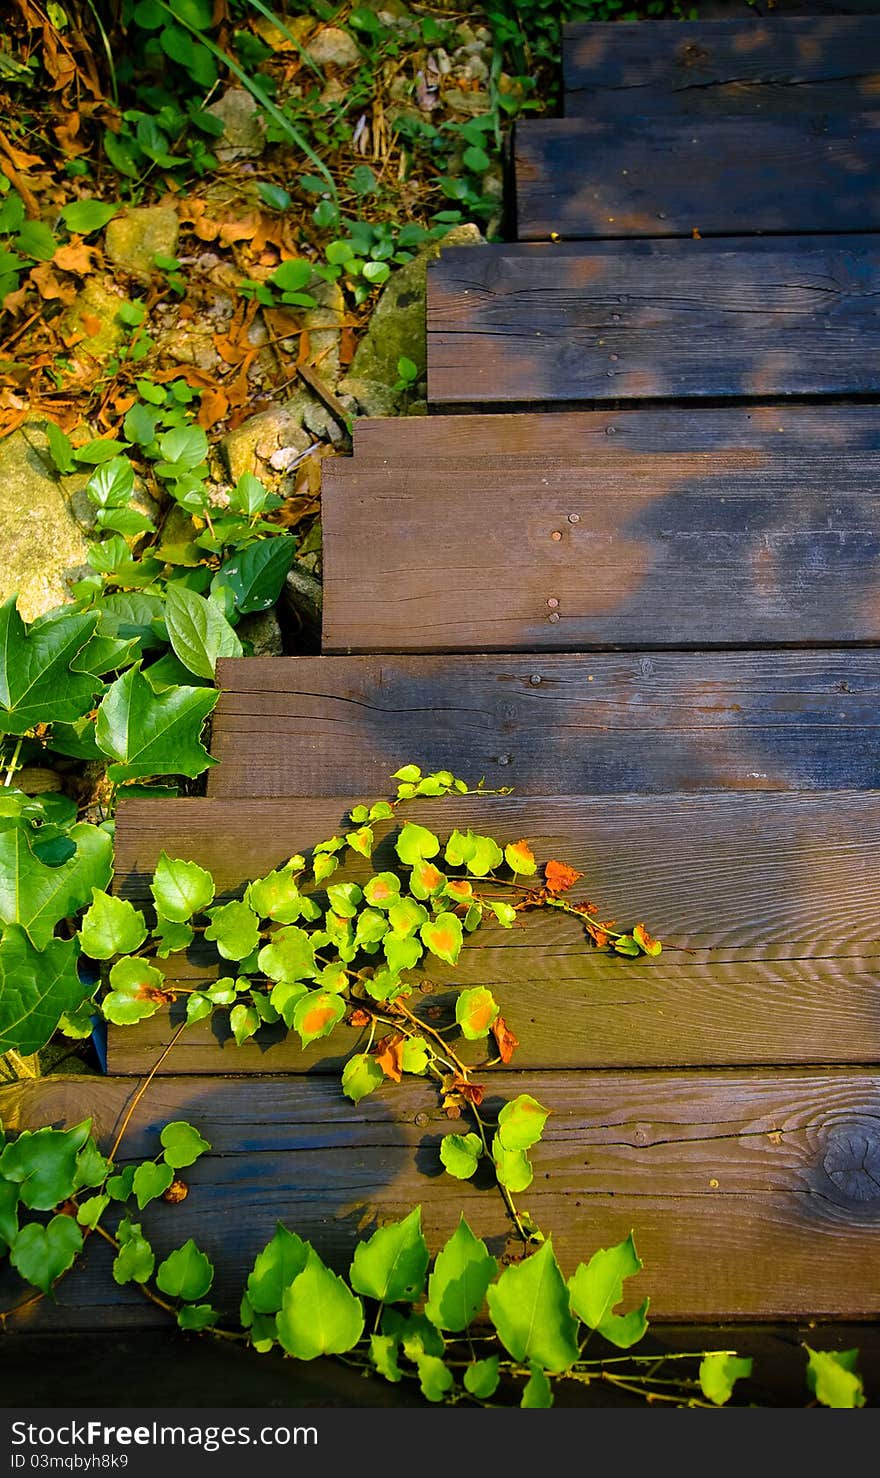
851,1160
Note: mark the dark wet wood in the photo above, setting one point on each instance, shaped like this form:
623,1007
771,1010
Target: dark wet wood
581,178
559,724
762,67
618,321
752,1195
721,531
776,894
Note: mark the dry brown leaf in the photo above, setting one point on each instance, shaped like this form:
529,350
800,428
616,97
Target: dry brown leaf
76,256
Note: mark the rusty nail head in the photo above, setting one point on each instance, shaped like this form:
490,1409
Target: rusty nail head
554,616
421,1120
556,536
553,602
574,518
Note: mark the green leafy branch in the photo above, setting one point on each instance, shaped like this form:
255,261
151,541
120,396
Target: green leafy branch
466,1331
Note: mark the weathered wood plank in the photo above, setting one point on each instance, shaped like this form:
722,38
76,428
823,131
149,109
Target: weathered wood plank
775,894
751,1195
761,317
761,66
581,178
787,432
698,543
557,724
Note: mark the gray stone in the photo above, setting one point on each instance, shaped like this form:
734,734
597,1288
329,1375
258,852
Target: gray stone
397,330
44,549
334,47
134,239
250,446
301,600
262,634
244,131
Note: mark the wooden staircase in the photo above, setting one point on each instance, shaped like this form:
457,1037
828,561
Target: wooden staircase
628,566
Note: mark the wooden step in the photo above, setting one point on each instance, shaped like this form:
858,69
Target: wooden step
757,65
557,724
580,178
752,1195
618,321
722,532
766,902
796,432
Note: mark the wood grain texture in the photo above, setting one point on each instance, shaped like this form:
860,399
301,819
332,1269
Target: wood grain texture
723,532
752,1195
775,894
581,178
760,317
795,431
558,724
757,66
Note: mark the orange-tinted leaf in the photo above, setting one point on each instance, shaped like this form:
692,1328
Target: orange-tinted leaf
390,1057
560,877
645,941
507,1042
473,1092
214,405
74,257
520,858
359,1017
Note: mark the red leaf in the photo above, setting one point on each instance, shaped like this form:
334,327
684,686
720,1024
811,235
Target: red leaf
560,877
507,1042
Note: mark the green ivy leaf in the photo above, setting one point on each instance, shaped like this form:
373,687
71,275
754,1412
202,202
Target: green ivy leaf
319,1313
405,917
481,1379
275,1268
135,1260
521,1122
719,1372
537,1392
149,733
372,927
426,880
182,1144
89,1212
85,216
345,899
475,1011
512,1167
529,1309
833,1378
597,1287
180,889
245,1021
478,854
37,896
443,937
186,1273
171,937
276,897
235,929
150,1182
184,446
197,1316
289,955
36,988
360,1076
43,1164
198,631
256,574
415,1055
416,842
92,1168
111,926
460,1153
42,1253
198,1006
8,1213
383,1353
135,992
392,1264
463,1270
435,1378
401,954
316,1014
